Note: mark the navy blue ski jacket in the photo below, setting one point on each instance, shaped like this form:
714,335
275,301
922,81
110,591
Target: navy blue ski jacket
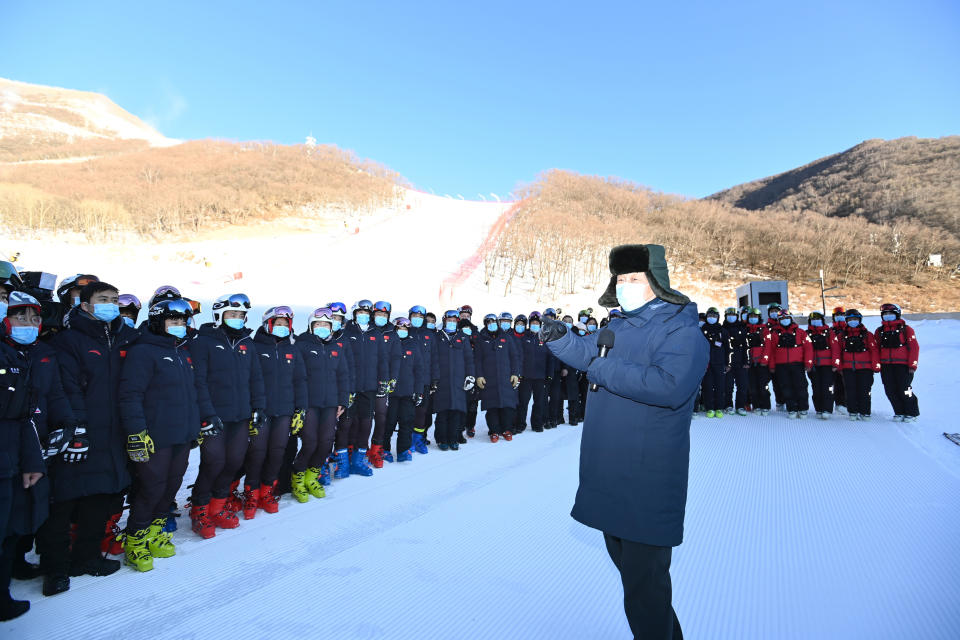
635,448
411,377
428,343
229,379
158,391
284,373
328,377
369,368
538,362
497,358
455,363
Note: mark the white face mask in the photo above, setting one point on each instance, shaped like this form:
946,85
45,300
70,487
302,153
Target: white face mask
632,295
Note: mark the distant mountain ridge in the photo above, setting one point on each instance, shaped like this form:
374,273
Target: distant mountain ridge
885,181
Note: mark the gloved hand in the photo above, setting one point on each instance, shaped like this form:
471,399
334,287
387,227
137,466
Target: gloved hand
139,446
79,445
351,399
551,330
257,419
417,399
57,442
548,379
468,383
296,423
481,382
391,386
434,385
515,381
210,427
382,389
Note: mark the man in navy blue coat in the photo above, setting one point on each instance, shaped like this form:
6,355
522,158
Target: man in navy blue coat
635,450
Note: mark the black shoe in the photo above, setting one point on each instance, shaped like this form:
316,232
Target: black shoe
23,570
538,429
574,423
96,567
455,447
56,583
461,439
13,609
470,434
444,447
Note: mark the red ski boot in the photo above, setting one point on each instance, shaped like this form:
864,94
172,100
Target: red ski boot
494,437
221,516
268,499
201,523
251,499
112,543
375,455
507,435
234,501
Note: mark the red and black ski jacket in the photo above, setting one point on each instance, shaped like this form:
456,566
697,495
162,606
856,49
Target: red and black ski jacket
789,345
757,338
826,347
897,343
858,349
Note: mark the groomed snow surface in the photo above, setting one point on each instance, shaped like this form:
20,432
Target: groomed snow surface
794,529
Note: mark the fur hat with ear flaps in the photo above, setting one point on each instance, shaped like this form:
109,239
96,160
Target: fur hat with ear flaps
651,259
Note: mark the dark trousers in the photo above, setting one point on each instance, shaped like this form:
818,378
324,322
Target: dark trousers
857,385
760,386
647,589
265,452
524,393
309,440
711,387
898,385
402,412
537,390
582,386
473,400
380,408
448,427
159,480
362,420
839,394
555,394
8,553
572,387
821,381
793,386
91,514
326,435
500,420
220,459
778,391
740,376
344,425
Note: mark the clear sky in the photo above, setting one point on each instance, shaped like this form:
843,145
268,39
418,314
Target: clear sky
472,97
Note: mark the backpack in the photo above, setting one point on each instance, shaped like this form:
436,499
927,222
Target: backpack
755,339
854,343
892,339
787,340
819,341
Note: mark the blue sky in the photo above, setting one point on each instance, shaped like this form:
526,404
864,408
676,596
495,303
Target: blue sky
468,98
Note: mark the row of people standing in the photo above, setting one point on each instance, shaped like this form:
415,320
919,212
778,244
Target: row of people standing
749,351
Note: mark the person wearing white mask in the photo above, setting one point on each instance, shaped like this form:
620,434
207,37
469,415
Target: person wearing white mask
634,454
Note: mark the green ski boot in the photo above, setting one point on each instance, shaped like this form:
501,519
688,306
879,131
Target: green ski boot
297,487
136,551
160,542
311,483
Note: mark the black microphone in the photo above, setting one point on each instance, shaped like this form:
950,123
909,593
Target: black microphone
605,341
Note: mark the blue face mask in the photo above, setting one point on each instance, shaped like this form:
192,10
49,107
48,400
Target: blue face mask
337,325
280,331
107,311
363,319
433,326
492,327
402,333
380,321
3,310
24,335
451,326
853,323
754,320
520,328
591,328
535,328
568,325
234,323
505,325
178,331
631,295
711,320
731,319
76,301
129,322
322,332
467,331
785,322
889,317
416,322
816,323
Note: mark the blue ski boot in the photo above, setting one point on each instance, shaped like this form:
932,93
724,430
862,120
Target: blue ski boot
405,456
343,464
387,456
324,477
420,443
358,463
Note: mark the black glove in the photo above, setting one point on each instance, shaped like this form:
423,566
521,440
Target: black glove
551,330
211,427
57,442
417,399
79,445
434,386
382,389
258,419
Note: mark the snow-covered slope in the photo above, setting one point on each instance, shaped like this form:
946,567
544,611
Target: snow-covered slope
39,113
794,530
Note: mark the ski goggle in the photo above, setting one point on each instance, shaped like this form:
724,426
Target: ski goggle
128,300
193,305
234,301
165,291
451,313
171,308
338,307
381,305
363,305
418,309
278,312
401,322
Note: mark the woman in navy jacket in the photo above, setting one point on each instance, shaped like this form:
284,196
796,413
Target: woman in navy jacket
231,397
538,366
412,379
498,375
328,381
159,413
455,373
285,388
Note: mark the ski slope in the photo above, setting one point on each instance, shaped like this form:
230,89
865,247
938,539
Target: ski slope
794,529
